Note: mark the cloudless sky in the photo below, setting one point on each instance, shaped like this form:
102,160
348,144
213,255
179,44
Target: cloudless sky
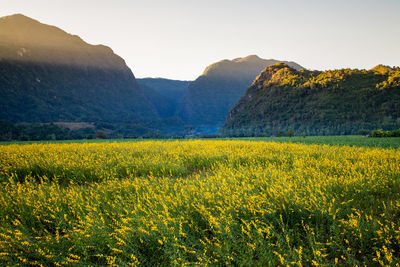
178,38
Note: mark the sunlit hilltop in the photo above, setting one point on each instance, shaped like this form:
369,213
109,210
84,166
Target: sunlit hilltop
26,39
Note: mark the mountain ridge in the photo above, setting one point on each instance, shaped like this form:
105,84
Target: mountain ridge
209,98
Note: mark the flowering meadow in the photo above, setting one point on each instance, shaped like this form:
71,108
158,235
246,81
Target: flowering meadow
199,202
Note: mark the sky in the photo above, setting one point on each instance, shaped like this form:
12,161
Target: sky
178,39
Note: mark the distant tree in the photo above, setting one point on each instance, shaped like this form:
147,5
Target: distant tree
396,133
381,133
364,132
51,137
290,133
100,135
303,134
378,133
280,133
157,134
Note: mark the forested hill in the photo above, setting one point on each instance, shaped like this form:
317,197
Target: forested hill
48,75
319,103
209,98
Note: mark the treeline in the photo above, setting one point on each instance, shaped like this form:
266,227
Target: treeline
299,130
50,131
41,131
258,132
101,130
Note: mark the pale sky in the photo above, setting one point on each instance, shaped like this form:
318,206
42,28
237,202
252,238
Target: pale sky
177,39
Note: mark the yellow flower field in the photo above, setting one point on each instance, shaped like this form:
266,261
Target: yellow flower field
199,203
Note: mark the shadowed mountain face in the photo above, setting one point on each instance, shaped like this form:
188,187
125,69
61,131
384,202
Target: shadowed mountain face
164,94
210,97
318,103
47,75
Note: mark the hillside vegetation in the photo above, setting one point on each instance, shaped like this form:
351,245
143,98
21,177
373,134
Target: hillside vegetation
332,102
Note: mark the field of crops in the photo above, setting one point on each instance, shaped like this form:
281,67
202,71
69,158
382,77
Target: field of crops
202,202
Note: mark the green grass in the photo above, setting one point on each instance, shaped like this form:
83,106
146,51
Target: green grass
348,140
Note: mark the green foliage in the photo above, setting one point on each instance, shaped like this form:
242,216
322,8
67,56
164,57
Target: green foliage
290,133
381,133
167,128
336,102
36,131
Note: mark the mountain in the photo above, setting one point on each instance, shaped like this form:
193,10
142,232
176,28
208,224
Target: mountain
164,94
209,98
331,102
49,75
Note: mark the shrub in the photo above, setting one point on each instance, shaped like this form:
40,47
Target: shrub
381,133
